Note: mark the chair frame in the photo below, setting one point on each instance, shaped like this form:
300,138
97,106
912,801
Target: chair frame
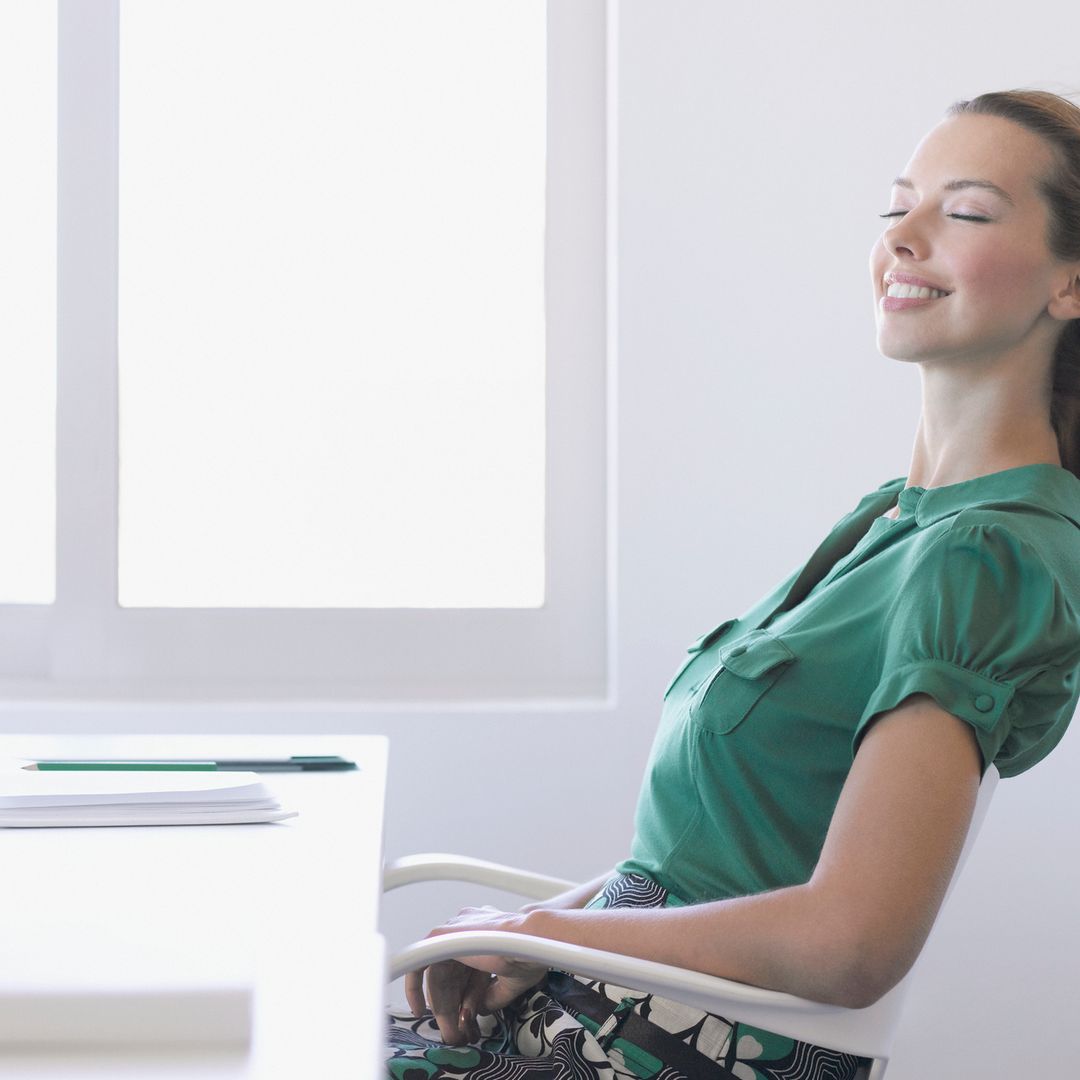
867,1032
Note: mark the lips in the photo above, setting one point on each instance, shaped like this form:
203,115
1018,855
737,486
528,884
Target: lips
903,303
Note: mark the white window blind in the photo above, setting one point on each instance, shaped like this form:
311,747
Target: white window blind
331,303
27,301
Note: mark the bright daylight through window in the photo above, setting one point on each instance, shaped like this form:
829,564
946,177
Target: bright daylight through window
28,302
331,301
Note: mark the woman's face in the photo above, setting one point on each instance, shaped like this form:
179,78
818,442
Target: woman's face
997,269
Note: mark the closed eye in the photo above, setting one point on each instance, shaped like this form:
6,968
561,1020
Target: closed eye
963,217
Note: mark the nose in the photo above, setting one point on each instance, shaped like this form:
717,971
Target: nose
903,237
901,242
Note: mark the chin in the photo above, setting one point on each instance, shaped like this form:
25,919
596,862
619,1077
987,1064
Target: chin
897,351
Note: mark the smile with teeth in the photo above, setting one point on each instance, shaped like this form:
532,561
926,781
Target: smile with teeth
914,292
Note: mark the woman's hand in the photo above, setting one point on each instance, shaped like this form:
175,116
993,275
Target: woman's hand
462,989
456,993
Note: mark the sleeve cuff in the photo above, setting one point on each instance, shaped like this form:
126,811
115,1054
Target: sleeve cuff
974,698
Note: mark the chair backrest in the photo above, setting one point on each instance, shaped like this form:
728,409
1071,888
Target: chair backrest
891,1005
870,1032
982,804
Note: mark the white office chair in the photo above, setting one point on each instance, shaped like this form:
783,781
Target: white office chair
865,1032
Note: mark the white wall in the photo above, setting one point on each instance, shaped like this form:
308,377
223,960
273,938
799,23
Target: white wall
753,410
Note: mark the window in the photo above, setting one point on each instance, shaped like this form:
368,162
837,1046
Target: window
261,260
331,311
28,302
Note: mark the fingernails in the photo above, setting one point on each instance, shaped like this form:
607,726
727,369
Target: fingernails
468,1024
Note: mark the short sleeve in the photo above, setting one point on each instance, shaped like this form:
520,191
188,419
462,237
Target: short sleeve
981,624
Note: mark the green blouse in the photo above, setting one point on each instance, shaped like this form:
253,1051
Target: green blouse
971,596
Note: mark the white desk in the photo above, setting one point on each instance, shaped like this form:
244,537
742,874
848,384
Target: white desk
305,891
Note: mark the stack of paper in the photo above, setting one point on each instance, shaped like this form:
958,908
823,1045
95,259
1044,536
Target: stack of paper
36,799
139,980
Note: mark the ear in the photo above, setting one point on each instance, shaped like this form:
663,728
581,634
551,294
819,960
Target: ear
1065,303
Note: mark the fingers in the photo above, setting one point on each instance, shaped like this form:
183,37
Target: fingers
450,1027
470,1008
459,995
498,995
472,1003
447,982
501,992
469,1025
414,992
445,995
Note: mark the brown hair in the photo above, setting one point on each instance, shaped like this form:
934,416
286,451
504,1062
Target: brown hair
1057,120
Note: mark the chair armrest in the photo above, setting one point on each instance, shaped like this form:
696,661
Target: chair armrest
439,866
864,1032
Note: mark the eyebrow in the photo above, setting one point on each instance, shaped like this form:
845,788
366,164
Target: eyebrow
956,185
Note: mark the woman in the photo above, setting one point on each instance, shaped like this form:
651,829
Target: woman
935,631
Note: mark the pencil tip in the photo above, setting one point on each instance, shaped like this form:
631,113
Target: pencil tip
29,766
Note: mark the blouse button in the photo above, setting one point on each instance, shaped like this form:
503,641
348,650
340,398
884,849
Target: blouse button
738,650
984,703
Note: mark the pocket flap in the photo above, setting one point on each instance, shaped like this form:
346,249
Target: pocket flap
706,640
755,653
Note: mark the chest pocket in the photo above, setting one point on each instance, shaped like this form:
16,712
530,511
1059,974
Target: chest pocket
696,647
745,670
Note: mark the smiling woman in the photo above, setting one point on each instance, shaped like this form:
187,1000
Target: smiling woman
990,203
817,759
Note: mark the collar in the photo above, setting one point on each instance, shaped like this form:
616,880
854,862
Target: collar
1039,487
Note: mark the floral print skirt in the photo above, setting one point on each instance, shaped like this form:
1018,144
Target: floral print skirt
573,1028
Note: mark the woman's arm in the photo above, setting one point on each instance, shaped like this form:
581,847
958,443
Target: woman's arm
576,897
457,992
853,930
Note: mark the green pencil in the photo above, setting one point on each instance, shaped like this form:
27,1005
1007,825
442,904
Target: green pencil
132,766
296,763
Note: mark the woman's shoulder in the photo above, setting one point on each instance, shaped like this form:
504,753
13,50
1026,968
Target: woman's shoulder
1034,536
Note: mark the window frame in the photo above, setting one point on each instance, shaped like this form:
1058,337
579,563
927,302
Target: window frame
85,645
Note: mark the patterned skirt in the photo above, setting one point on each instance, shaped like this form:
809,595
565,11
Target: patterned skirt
573,1028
